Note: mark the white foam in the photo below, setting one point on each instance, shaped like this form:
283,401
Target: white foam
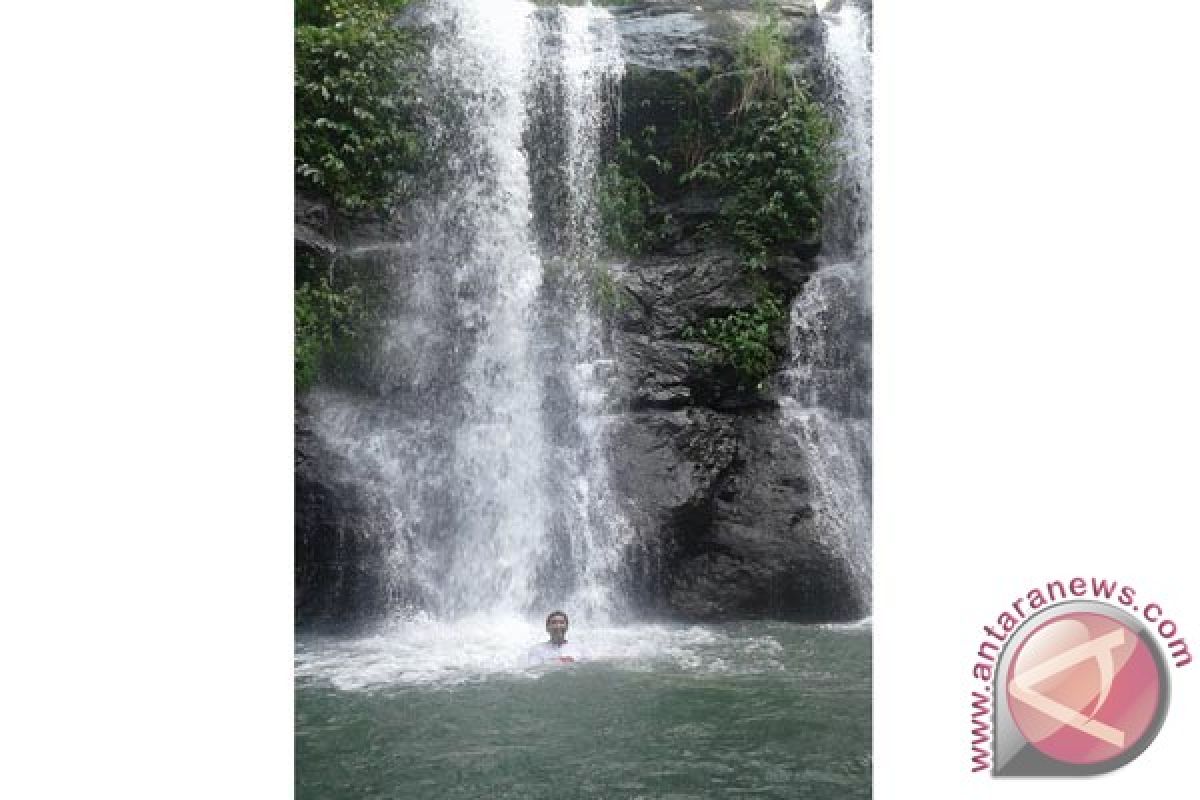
424,651
864,624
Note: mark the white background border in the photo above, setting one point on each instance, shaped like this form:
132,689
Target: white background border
1035,342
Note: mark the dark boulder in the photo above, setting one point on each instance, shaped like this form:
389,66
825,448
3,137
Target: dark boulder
724,509
339,568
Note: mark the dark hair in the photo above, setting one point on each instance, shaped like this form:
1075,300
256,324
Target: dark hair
562,614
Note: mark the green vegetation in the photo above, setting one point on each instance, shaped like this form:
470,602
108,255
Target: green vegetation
777,165
761,60
328,323
776,157
354,138
772,159
743,338
606,293
698,129
354,142
747,130
623,198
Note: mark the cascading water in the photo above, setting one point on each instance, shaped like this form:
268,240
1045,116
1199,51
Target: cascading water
579,66
475,448
847,234
827,403
483,450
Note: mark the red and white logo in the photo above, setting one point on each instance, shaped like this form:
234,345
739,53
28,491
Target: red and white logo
1081,690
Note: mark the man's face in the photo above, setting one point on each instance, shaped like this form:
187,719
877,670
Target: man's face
556,626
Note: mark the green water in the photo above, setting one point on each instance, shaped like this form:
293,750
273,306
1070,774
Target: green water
766,710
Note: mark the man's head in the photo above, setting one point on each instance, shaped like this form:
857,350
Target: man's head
556,626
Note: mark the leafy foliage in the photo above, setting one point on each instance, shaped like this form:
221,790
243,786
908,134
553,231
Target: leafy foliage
743,339
328,322
772,158
777,162
606,293
353,136
776,157
698,128
747,130
354,142
623,198
761,59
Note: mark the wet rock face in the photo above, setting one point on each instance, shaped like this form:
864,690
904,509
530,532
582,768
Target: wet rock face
719,494
346,546
672,35
666,37
723,506
338,569
659,364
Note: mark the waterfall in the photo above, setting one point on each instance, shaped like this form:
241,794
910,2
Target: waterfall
579,75
483,449
847,232
827,402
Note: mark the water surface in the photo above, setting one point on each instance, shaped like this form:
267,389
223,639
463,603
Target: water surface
765,710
